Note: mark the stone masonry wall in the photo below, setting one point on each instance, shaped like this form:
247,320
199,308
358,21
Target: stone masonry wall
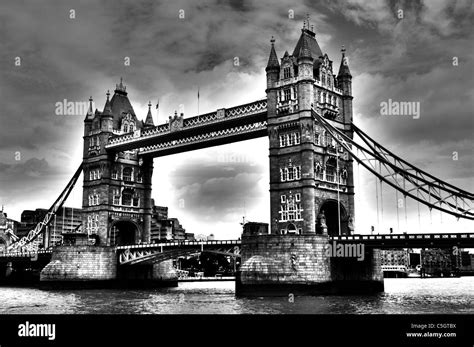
295,259
81,263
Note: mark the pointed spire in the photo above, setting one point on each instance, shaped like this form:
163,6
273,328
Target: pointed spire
90,112
107,108
305,51
149,116
344,68
120,88
273,59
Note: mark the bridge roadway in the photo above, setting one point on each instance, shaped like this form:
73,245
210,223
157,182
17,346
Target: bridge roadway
134,254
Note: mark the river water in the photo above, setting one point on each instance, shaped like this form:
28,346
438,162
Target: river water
401,296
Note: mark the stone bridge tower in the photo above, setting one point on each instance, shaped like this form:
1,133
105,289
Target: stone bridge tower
117,186
311,182
309,172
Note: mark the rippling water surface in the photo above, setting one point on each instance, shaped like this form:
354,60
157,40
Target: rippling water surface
407,295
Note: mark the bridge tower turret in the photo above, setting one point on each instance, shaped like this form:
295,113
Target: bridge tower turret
117,185
310,176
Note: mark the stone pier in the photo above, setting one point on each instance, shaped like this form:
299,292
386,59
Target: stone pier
300,265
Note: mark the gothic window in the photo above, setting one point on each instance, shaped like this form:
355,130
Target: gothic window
136,200
323,79
127,174
126,197
283,142
297,197
290,139
291,174
114,174
329,141
116,197
284,174
131,128
91,202
283,199
323,100
319,96
296,138
287,93
283,212
331,170
329,81
298,211
297,172
316,138
96,199
286,73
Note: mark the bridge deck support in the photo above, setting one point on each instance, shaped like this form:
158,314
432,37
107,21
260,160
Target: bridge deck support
73,264
301,265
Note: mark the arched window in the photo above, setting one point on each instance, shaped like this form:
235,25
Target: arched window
329,141
297,172
116,197
316,138
291,174
136,200
127,174
331,170
91,201
126,197
125,128
131,128
96,199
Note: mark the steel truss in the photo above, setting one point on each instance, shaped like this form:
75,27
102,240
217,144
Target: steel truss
403,176
28,243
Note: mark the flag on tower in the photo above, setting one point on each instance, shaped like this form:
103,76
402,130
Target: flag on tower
157,104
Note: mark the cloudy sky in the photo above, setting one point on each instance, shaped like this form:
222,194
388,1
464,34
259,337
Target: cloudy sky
46,56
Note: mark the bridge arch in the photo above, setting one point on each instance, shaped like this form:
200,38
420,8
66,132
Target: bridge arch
124,232
330,211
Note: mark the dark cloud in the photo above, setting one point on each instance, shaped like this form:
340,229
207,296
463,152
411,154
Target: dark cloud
63,58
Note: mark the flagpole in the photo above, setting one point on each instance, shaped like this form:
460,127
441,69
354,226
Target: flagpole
198,102
338,198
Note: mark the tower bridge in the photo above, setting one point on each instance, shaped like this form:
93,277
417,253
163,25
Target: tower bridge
307,117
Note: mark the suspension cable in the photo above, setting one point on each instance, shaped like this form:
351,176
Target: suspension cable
381,193
377,200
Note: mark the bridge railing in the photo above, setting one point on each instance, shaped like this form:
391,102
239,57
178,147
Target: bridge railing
180,243
197,121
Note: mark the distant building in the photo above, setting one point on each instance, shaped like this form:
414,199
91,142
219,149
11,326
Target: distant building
67,219
439,261
7,231
394,257
254,228
467,263
164,228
